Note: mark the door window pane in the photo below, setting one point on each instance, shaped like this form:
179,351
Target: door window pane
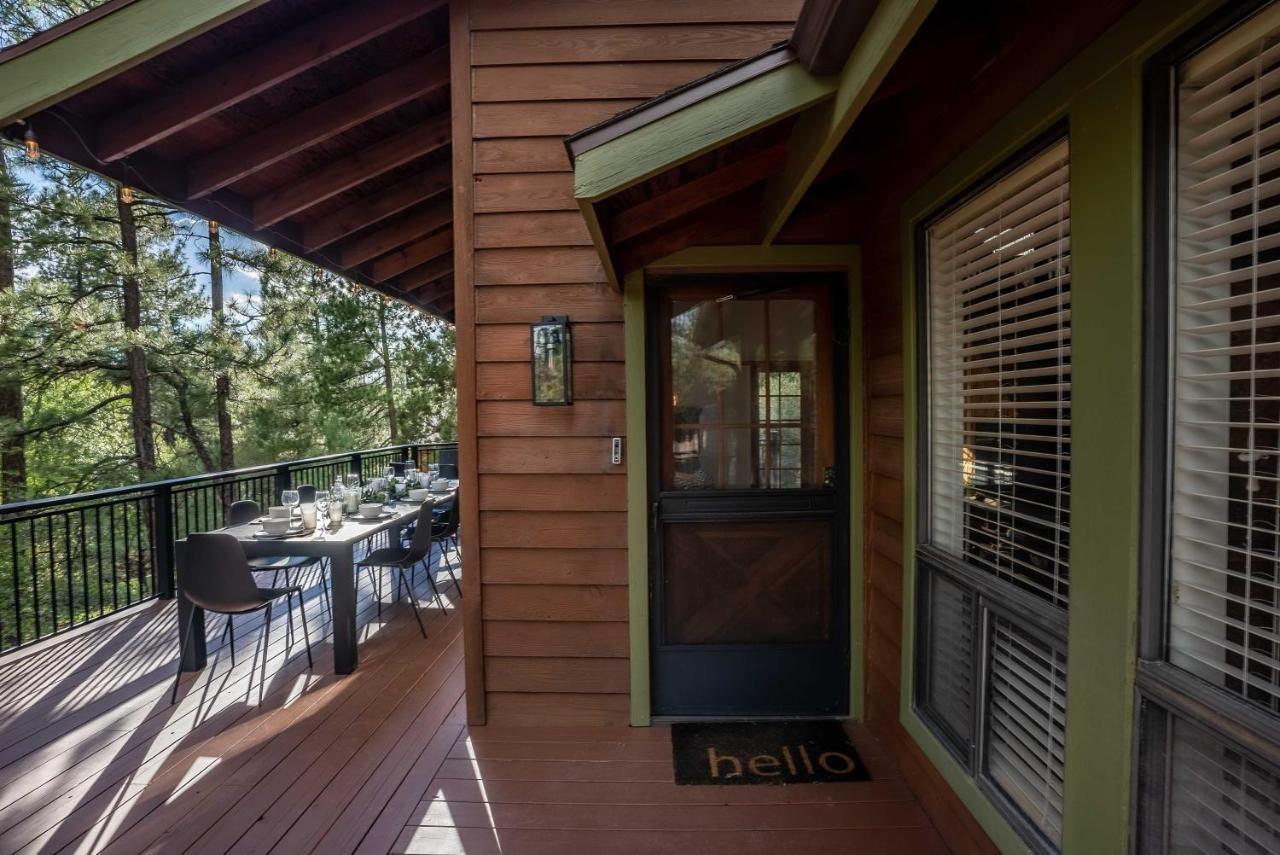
745,381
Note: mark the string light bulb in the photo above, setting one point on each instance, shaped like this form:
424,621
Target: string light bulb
273,253
32,144
213,228
126,194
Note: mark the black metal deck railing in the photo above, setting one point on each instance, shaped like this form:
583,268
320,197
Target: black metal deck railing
67,561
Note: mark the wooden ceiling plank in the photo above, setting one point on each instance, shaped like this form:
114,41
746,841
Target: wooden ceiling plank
420,223
245,75
416,253
441,291
690,196
325,120
424,274
351,171
350,219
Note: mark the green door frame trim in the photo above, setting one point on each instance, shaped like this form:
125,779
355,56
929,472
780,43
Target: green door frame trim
733,259
122,39
1099,94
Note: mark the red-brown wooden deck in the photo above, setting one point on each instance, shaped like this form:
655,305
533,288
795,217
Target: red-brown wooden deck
93,758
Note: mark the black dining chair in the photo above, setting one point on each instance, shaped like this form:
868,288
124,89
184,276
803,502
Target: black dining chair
307,494
445,531
399,467
449,470
215,577
246,511
402,558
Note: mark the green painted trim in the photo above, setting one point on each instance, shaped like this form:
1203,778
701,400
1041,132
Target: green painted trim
588,210
698,128
820,129
633,319
1099,93
118,41
733,259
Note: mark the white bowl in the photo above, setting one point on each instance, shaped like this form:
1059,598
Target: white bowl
370,510
278,511
419,495
276,525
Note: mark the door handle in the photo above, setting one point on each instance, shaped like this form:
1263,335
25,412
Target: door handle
829,476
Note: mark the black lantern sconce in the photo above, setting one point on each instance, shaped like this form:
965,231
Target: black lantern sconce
551,350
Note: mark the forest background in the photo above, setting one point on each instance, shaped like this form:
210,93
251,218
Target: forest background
139,342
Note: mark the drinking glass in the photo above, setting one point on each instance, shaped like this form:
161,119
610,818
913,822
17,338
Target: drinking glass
389,472
290,499
353,481
322,511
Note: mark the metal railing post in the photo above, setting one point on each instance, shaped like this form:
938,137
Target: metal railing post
284,481
162,537
355,465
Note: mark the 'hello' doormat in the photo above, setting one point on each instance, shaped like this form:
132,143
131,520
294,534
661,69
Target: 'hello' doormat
784,752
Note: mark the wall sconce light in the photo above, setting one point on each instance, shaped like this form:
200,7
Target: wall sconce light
551,365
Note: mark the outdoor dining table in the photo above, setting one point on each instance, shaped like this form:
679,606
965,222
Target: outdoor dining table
338,545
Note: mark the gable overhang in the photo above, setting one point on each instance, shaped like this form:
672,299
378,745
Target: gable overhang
736,108
324,134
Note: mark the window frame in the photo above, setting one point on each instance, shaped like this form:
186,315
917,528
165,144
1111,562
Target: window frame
1164,691
991,595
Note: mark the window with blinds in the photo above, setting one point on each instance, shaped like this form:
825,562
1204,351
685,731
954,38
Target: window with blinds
1025,748
1223,609
999,296
997,476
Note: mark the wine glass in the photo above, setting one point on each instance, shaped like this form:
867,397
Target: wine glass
290,499
353,481
322,511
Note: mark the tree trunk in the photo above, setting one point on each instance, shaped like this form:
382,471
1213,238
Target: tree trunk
388,382
13,448
189,427
144,444
222,383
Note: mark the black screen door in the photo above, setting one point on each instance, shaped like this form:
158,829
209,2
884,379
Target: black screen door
748,462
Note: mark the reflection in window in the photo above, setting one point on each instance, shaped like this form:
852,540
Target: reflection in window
743,382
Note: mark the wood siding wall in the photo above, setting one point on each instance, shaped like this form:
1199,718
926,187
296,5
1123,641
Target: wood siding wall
551,506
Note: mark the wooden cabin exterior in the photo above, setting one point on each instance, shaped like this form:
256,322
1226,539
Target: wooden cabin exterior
1063,623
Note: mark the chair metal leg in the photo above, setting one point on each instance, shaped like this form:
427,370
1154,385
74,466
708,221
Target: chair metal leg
306,636
288,624
377,588
231,632
449,566
431,580
266,645
183,640
413,601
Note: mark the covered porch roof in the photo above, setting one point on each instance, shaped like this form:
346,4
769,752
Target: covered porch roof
318,127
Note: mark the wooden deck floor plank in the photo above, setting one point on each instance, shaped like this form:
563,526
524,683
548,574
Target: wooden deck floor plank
398,810
344,764
431,840
686,817
659,793
338,819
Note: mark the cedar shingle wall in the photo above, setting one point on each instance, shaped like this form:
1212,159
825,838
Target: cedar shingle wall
552,507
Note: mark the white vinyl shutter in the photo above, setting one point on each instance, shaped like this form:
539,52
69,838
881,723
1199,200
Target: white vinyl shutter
999,315
1027,723
1224,620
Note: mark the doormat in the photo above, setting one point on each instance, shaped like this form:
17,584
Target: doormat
782,752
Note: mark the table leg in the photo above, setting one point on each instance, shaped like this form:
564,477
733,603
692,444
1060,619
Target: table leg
343,578
193,658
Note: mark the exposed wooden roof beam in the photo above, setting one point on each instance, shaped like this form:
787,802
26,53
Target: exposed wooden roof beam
416,253
350,219
424,274
420,223
241,77
827,30
818,131
296,133
439,291
725,181
352,170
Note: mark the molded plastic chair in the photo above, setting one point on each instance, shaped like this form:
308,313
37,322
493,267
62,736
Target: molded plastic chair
407,558
449,470
246,511
446,530
399,466
216,577
307,494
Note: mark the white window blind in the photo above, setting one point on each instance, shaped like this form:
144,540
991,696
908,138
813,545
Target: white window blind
1221,800
1224,620
1026,724
949,694
999,281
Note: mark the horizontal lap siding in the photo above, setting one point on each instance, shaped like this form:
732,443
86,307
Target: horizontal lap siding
552,505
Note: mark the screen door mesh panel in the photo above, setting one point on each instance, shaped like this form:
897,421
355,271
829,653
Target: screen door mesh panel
1224,612
949,690
1220,799
1026,724
999,282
